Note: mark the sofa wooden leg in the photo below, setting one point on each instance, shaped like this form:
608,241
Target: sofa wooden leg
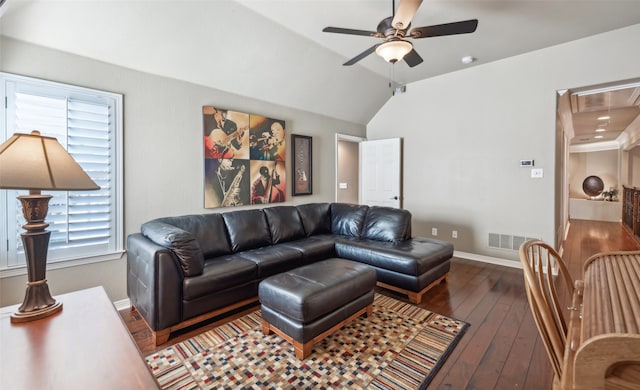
266,328
162,336
415,296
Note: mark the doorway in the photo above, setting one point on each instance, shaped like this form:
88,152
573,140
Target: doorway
347,168
597,129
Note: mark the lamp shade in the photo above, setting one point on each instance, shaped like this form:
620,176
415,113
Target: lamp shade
394,51
35,162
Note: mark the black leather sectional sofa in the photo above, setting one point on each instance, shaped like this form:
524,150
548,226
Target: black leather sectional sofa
183,270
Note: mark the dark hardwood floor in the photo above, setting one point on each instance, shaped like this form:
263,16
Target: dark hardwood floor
501,349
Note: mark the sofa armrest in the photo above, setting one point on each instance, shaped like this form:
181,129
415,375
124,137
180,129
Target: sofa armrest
154,282
181,242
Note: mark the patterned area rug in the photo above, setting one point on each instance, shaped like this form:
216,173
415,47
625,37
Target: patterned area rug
400,346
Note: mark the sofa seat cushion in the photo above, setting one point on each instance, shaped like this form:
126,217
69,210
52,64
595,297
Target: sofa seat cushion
274,259
314,248
218,274
412,257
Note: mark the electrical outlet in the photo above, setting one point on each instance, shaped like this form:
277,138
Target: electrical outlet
434,231
454,234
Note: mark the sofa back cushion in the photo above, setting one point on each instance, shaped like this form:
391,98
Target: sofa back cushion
181,242
387,224
316,218
347,219
247,229
284,223
208,229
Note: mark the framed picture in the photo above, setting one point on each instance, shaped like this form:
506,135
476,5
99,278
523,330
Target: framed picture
301,167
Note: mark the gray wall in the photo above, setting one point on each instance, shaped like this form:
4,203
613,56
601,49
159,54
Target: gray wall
163,165
465,132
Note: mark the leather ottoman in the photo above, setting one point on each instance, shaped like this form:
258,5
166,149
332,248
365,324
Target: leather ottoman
308,303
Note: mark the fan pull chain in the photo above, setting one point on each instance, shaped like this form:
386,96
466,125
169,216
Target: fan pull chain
392,78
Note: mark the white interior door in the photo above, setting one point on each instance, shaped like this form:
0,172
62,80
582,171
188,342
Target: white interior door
380,172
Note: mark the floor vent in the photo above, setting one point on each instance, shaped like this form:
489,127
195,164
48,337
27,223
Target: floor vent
506,241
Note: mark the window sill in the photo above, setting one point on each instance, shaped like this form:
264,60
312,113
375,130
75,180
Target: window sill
17,271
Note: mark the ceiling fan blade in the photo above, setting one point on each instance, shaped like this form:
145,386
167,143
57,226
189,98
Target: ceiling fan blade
413,58
361,55
405,13
350,31
438,30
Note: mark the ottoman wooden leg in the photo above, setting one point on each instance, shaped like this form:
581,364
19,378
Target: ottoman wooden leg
303,350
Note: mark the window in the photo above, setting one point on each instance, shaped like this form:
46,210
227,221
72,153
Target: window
86,226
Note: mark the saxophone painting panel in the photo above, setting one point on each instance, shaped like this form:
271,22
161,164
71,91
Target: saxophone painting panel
226,182
244,158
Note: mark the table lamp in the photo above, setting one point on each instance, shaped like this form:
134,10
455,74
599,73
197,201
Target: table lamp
34,162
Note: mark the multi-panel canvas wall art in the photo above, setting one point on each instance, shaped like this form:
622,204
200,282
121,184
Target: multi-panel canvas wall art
244,158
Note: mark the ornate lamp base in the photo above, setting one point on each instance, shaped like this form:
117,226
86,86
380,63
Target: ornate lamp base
26,316
38,302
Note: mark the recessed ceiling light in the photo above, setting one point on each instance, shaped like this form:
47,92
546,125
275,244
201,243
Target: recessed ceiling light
599,136
468,59
604,118
600,130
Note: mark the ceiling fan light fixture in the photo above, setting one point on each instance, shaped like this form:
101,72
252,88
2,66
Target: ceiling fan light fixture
394,51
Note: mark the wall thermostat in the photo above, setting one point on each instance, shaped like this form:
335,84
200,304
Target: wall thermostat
526,163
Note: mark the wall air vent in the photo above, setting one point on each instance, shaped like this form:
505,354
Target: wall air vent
507,241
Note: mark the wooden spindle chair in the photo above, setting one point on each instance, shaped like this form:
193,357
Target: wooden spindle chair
540,262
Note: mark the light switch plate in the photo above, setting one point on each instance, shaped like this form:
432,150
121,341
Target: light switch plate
537,173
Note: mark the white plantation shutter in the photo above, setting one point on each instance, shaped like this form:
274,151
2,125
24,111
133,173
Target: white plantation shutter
82,223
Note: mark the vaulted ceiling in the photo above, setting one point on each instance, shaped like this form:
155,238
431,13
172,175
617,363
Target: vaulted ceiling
276,51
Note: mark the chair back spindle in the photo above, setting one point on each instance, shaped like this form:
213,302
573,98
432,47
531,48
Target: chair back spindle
540,263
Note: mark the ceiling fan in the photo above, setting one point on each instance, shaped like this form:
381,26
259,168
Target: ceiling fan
394,29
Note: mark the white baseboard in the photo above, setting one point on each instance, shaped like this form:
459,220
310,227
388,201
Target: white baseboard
122,304
487,259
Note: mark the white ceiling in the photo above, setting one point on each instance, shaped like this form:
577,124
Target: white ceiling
276,51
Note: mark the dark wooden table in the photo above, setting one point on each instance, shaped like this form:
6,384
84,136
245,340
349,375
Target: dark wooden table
85,346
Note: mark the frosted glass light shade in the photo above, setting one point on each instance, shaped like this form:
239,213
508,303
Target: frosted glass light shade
394,51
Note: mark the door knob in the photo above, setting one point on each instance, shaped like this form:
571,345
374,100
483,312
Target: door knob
395,198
